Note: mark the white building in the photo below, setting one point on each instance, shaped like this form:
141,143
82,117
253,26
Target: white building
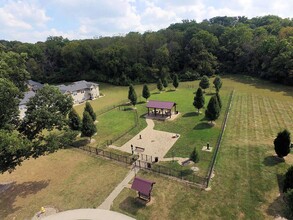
81,91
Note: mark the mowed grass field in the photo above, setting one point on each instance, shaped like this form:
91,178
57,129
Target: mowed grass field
67,179
248,177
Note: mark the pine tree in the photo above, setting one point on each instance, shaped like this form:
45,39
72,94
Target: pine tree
74,121
282,143
194,156
175,81
165,83
217,83
288,181
90,110
204,82
198,100
146,92
219,100
160,85
132,95
88,128
213,109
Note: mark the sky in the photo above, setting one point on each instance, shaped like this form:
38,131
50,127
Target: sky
35,20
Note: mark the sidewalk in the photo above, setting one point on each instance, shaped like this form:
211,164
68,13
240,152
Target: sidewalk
109,200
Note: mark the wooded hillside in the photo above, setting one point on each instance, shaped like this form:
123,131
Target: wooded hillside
261,46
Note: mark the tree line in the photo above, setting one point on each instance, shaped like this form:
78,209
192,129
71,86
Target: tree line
260,46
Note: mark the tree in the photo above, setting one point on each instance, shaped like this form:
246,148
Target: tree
146,92
132,95
198,100
46,110
160,85
213,109
194,156
288,181
88,128
90,110
74,121
289,199
165,83
14,150
9,97
204,82
282,143
219,100
175,81
217,83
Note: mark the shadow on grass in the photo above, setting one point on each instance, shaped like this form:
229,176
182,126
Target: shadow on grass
171,90
272,160
9,196
278,207
203,125
190,114
132,205
186,172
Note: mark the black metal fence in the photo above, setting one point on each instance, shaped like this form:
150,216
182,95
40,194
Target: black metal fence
108,154
184,175
213,161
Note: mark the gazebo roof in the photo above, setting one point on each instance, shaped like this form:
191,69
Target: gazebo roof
142,186
160,104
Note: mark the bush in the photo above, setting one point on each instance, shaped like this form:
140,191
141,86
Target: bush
282,143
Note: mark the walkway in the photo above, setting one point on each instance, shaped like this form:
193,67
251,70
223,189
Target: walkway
155,143
109,200
89,214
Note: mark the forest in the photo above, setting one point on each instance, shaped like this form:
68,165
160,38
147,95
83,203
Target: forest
260,46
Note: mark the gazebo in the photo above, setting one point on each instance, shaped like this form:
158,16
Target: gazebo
144,188
161,107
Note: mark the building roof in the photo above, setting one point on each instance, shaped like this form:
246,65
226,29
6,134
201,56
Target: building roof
142,186
27,96
160,104
35,85
79,85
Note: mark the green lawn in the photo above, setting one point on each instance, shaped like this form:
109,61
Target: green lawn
247,174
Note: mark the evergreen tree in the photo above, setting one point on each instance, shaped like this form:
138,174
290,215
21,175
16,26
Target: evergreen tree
288,181
74,121
282,143
219,100
213,109
132,95
194,156
88,128
160,85
146,92
217,83
175,81
204,82
165,83
198,100
90,110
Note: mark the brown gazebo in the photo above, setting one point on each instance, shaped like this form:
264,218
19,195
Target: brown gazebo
161,108
144,188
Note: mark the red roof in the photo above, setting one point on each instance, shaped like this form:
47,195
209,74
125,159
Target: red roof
160,104
142,186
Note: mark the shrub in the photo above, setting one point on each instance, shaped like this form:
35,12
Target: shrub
282,143
194,156
288,182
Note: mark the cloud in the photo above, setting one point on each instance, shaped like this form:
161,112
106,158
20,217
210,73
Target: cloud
35,20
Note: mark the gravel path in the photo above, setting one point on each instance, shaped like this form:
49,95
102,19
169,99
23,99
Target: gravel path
155,143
